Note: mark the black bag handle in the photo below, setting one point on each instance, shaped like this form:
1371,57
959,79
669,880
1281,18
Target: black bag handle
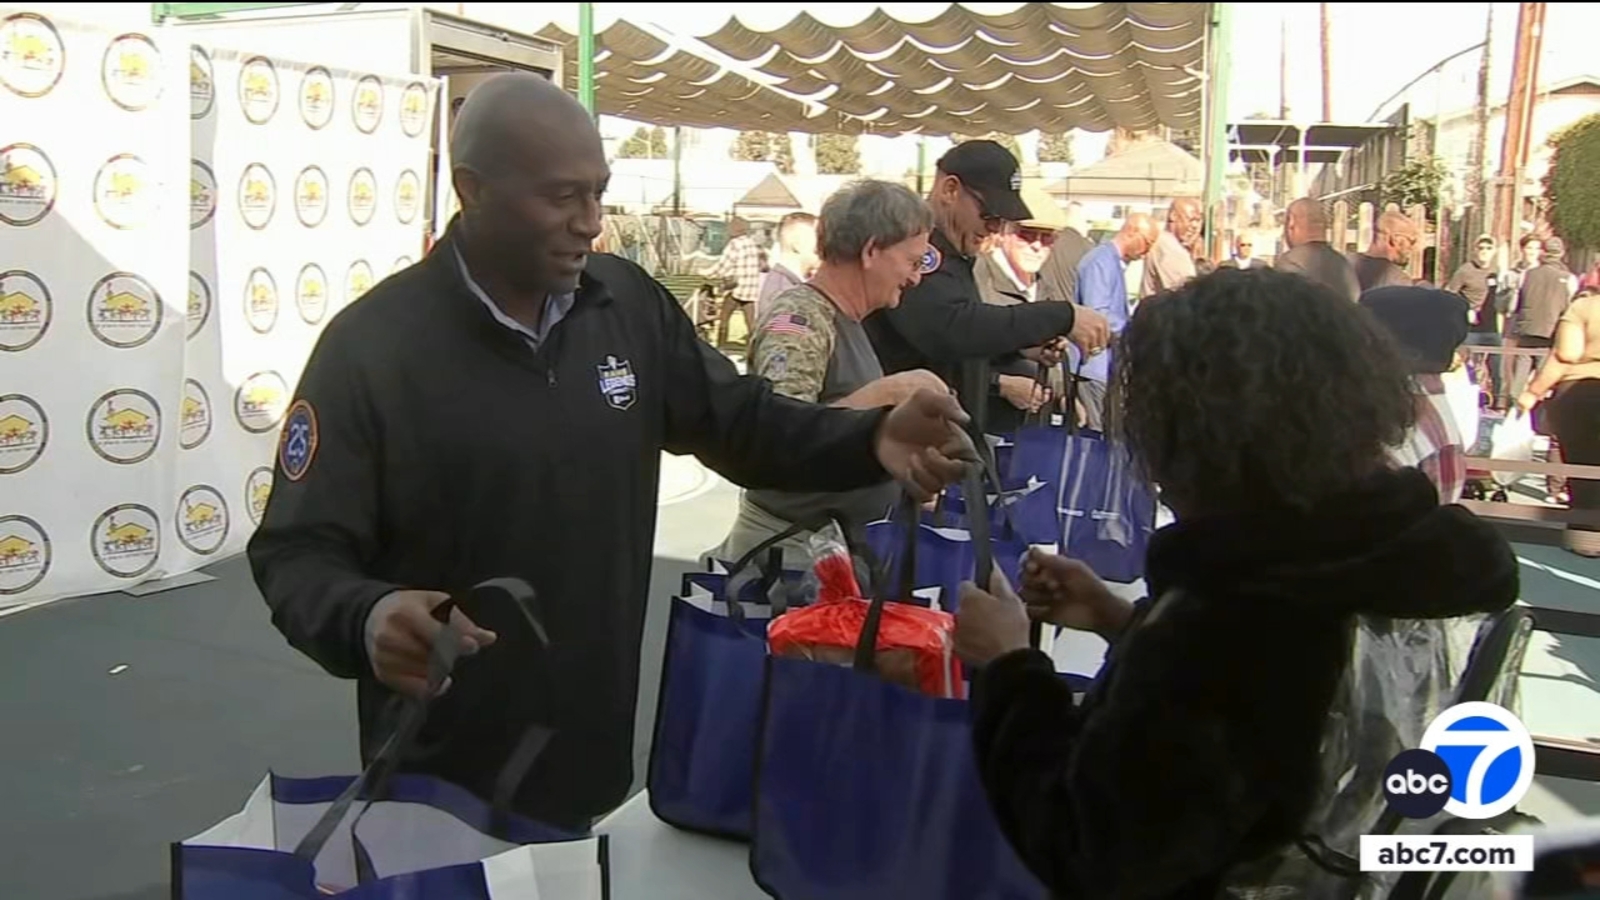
772,564
443,654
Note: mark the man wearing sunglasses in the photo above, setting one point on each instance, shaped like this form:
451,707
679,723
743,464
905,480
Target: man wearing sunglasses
941,324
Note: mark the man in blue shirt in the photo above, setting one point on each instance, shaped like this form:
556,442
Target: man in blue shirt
1103,287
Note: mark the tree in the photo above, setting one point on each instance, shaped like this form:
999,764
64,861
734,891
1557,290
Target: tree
837,154
764,146
1418,181
1056,148
645,143
1008,141
1570,186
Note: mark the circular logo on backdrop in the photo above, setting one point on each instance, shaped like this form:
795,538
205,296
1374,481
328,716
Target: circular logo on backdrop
194,420
24,553
27,184
258,89
403,262
363,196
130,71
124,426
258,196
366,105
259,401
202,84
261,301
124,310
257,489
407,197
24,432
311,196
202,520
1489,754
199,305
25,309
311,293
414,109
32,56
126,540
316,97
357,281
202,193
124,194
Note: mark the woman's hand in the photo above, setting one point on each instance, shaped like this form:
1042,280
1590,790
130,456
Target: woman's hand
1066,592
1527,400
990,624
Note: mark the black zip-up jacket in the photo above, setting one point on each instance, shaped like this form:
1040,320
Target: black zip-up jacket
445,451
943,326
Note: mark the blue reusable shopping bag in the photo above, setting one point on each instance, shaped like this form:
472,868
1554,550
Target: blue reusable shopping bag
702,756
866,790
1108,512
377,837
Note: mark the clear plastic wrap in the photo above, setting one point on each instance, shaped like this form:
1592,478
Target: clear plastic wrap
1402,675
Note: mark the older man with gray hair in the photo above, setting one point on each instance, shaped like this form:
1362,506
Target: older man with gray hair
808,341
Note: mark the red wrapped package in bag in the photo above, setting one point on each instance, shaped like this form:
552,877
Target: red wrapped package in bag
915,646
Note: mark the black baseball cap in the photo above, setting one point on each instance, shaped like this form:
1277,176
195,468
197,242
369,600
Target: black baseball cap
993,174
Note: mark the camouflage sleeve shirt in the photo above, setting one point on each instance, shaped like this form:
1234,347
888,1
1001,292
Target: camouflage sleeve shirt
793,343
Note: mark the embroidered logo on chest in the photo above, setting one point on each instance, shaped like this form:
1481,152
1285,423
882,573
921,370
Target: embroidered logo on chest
931,261
617,382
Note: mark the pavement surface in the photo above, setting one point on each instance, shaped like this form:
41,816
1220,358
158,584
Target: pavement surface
130,722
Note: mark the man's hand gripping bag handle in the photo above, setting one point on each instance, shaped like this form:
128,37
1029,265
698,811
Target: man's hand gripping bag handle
442,658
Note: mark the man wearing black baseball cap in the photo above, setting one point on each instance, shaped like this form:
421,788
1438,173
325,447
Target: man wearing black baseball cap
941,323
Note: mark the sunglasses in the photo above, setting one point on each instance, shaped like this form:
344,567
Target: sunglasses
1041,236
978,198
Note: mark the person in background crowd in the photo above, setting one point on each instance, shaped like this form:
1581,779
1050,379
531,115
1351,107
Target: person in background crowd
1429,325
1103,287
740,267
1478,282
500,410
1058,280
1591,279
1530,249
1243,254
941,324
1008,274
1305,231
1263,406
1572,370
1170,262
1384,263
795,259
1542,296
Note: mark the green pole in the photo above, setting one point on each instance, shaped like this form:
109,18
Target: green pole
922,163
586,56
1217,77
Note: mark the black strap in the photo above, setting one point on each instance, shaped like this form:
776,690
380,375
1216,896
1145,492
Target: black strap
771,567
442,658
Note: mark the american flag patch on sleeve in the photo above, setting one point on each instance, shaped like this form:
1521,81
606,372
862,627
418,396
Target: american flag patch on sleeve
788,323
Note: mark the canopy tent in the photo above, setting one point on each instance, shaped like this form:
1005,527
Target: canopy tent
1042,66
779,194
1153,170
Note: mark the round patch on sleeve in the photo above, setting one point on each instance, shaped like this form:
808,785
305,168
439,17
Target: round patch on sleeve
297,445
931,261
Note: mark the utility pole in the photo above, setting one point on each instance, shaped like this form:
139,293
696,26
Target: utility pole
1327,65
1283,67
1478,156
1509,182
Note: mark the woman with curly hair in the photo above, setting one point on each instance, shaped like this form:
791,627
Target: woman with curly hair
1294,637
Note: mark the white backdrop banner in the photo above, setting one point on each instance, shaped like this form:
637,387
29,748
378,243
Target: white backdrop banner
144,379
305,190
92,143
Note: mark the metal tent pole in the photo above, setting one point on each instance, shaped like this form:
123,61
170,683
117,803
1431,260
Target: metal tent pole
1216,87
586,56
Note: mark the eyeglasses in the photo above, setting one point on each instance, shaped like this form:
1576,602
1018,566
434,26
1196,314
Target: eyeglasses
1041,236
978,198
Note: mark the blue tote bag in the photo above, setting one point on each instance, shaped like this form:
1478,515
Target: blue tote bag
702,755
1108,512
866,790
377,836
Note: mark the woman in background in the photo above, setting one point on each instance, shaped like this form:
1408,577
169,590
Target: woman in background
1572,371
